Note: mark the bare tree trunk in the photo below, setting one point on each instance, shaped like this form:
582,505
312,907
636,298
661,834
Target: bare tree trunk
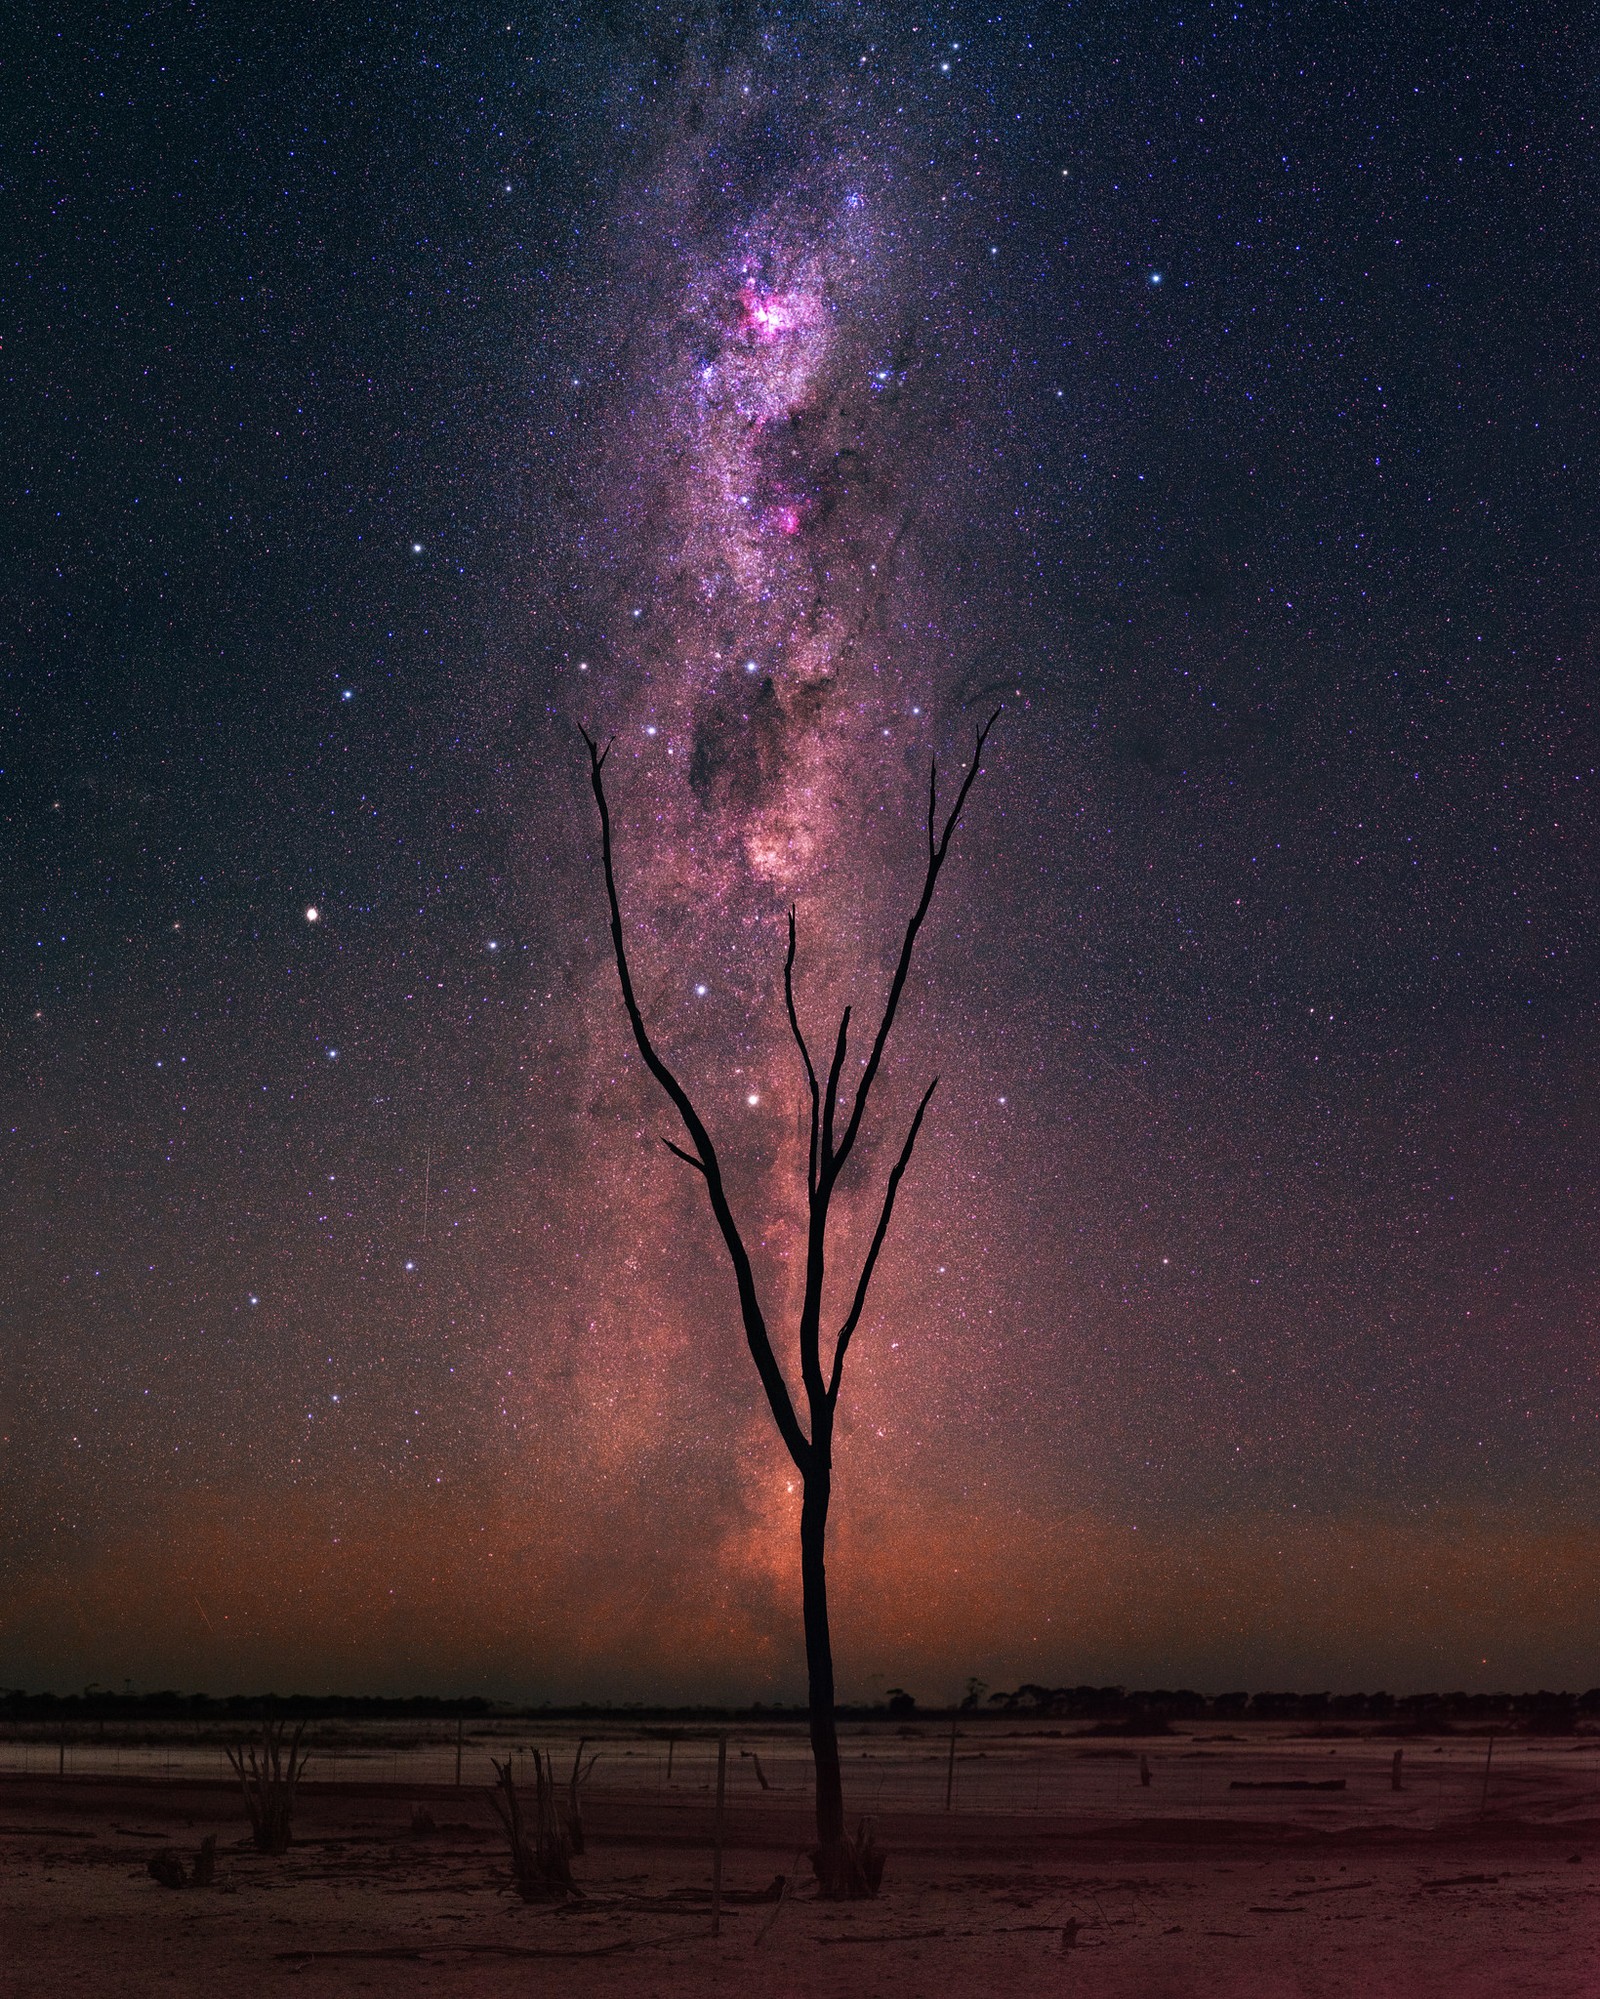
846,1868
819,1660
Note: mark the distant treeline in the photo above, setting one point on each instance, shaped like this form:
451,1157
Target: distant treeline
96,1705
1120,1704
1130,1710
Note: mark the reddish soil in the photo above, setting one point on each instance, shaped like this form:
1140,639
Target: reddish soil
1265,1907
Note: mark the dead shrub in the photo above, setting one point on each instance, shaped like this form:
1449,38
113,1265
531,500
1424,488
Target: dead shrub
269,1773
541,1853
849,1870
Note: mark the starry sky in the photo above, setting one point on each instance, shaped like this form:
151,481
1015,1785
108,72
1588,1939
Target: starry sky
776,390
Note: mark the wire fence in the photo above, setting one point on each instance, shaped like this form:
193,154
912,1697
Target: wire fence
930,1770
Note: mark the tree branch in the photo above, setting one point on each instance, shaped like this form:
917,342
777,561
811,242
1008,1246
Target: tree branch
805,1055
936,857
755,1325
830,1102
688,1158
847,1330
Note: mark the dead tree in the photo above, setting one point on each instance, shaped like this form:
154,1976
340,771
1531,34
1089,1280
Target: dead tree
844,1867
269,1778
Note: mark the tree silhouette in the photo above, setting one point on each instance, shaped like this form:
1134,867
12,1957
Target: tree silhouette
844,1868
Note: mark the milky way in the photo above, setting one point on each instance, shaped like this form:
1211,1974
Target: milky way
775,395
774,664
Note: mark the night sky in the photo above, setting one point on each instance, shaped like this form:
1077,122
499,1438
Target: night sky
778,389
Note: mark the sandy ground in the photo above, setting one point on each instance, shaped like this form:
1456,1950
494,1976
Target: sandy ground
1276,1905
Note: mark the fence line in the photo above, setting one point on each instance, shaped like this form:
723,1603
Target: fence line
997,1770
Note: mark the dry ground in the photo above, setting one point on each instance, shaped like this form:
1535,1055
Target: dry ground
1280,1904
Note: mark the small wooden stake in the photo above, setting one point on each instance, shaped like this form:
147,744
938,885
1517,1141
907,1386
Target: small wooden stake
1483,1802
459,1725
950,1768
716,1839
1394,1771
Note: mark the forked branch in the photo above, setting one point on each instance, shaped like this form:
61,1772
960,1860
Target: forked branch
705,1153
858,1303
833,1161
805,1056
830,1102
825,1158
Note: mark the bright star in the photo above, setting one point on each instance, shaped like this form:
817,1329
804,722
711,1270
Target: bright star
752,1099
313,914
701,991
416,548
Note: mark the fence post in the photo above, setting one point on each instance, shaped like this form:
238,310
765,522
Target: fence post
716,1839
459,1725
950,1767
